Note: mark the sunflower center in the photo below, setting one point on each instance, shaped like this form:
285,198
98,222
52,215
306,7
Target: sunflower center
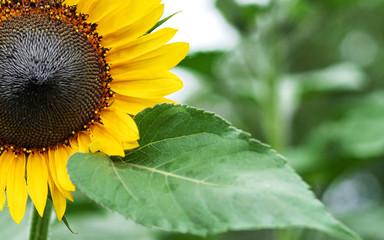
51,80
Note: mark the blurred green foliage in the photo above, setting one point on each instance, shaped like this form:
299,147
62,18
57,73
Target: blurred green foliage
307,78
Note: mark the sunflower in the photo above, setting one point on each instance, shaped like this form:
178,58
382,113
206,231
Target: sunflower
72,74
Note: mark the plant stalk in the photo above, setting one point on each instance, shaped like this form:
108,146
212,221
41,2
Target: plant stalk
40,225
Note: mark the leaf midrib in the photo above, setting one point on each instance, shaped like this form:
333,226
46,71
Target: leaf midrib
166,139
167,174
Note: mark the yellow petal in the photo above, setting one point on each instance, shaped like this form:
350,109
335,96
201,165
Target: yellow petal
74,144
50,161
114,37
71,2
62,154
139,9
130,145
141,45
94,146
125,141
163,58
85,6
58,199
37,180
17,194
122,122
124,14
104,8
5,159
83,142
146,84
122,126
105,142
134,105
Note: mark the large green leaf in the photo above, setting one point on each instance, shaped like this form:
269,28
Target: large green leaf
195,173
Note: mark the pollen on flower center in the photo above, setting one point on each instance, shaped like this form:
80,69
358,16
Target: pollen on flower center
53,75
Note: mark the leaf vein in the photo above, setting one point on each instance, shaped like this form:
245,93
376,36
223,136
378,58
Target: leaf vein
122,182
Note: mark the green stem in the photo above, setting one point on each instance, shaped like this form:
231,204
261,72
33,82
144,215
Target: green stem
274,117
275,131
40,225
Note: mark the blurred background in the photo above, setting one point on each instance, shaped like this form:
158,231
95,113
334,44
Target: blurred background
306,77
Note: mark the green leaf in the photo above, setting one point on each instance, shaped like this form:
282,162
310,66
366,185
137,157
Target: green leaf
194,173
161,22
65,221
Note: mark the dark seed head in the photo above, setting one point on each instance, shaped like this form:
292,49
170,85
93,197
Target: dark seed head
50,80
